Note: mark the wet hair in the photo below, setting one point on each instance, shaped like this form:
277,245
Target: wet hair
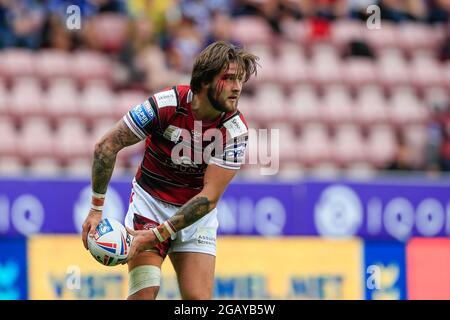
217,57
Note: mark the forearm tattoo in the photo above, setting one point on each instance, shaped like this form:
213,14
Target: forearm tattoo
193,210
105,155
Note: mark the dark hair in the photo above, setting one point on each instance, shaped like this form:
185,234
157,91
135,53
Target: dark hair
217,56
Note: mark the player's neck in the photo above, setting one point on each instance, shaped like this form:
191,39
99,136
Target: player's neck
203,110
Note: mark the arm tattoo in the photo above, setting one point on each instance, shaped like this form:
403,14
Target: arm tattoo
105,154
193,210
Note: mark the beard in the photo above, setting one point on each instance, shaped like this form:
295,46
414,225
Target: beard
215,103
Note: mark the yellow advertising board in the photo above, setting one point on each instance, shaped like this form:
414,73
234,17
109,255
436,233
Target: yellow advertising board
246,268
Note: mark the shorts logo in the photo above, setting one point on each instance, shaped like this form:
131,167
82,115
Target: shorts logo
142,114
206,237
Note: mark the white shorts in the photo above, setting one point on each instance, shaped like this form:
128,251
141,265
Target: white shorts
198,237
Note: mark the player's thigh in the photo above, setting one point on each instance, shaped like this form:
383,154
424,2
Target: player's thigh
195,274
144,273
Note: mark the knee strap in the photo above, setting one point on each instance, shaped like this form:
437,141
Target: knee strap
143,277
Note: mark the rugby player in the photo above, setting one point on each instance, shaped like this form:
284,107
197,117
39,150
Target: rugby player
174,195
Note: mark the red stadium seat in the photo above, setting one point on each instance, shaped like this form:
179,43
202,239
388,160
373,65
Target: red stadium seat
91,65
436,98
296,31
393,69
9,140
269,101
16,63
79,167
126,100
268,71
359,71
36,139
97,102
44,167
26,98
62,99
337,105
10,166
405,108
381,145
291,65
385,37
348,145
288,141
370,106
303,105
251,29
426,71
110,31
72,140
413,36
53,64
343,31
315,144
325,67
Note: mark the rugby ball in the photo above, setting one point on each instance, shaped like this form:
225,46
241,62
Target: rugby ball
111,242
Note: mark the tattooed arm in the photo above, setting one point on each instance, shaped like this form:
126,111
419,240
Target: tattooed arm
102,168
105,154
215,182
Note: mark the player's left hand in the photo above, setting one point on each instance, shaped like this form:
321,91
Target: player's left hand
142,240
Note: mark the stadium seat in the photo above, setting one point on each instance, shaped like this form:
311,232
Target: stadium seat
337,105
78,167
437,98
360,170
348,145
250,30
291,171
296,31
359,71
416,139
126,100
381,145
385,37
62,99
51,64
324,170
287,144
10,166
36,139
344,31
426,71
91,65
44,167
26,98
291,65
72,140
110,31
268,71
405,108
4,110
370,105
16,62
9,140
269,101
392,69
97,102
303,105
314,144
325,67
413,36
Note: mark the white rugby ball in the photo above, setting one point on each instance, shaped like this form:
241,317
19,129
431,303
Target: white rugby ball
111,242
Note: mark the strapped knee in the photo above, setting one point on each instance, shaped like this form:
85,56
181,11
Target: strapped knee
143,277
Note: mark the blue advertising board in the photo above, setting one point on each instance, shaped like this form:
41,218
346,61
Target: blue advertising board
13,269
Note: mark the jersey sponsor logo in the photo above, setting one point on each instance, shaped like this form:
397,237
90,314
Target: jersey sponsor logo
235,127
166,99
172,133
142,114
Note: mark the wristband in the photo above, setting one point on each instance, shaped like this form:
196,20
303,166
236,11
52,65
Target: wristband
157,234
97,201
169,227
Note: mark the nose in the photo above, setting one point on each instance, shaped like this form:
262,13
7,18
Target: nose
237,86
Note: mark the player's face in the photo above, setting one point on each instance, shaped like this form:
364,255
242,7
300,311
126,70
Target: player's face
225,90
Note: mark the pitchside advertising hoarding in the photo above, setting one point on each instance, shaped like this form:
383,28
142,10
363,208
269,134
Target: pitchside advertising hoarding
385,209
13,269
284,268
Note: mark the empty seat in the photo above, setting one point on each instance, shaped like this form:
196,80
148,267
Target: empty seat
291,65
385,37
370,105
413,36
348,145
72,140
126,100
52,64
96,102
303,105
325,67
91,65
381,145
269,101
9,139
251,29
359,71
16,62
325,170
291,171
36,139
79,167
110,31
11,166
426,71
26,98
268,71
62,99
337,105
404,107
44,167
392,69
345,30
437,98
314,144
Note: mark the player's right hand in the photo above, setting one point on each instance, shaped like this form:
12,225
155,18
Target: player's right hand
90,224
